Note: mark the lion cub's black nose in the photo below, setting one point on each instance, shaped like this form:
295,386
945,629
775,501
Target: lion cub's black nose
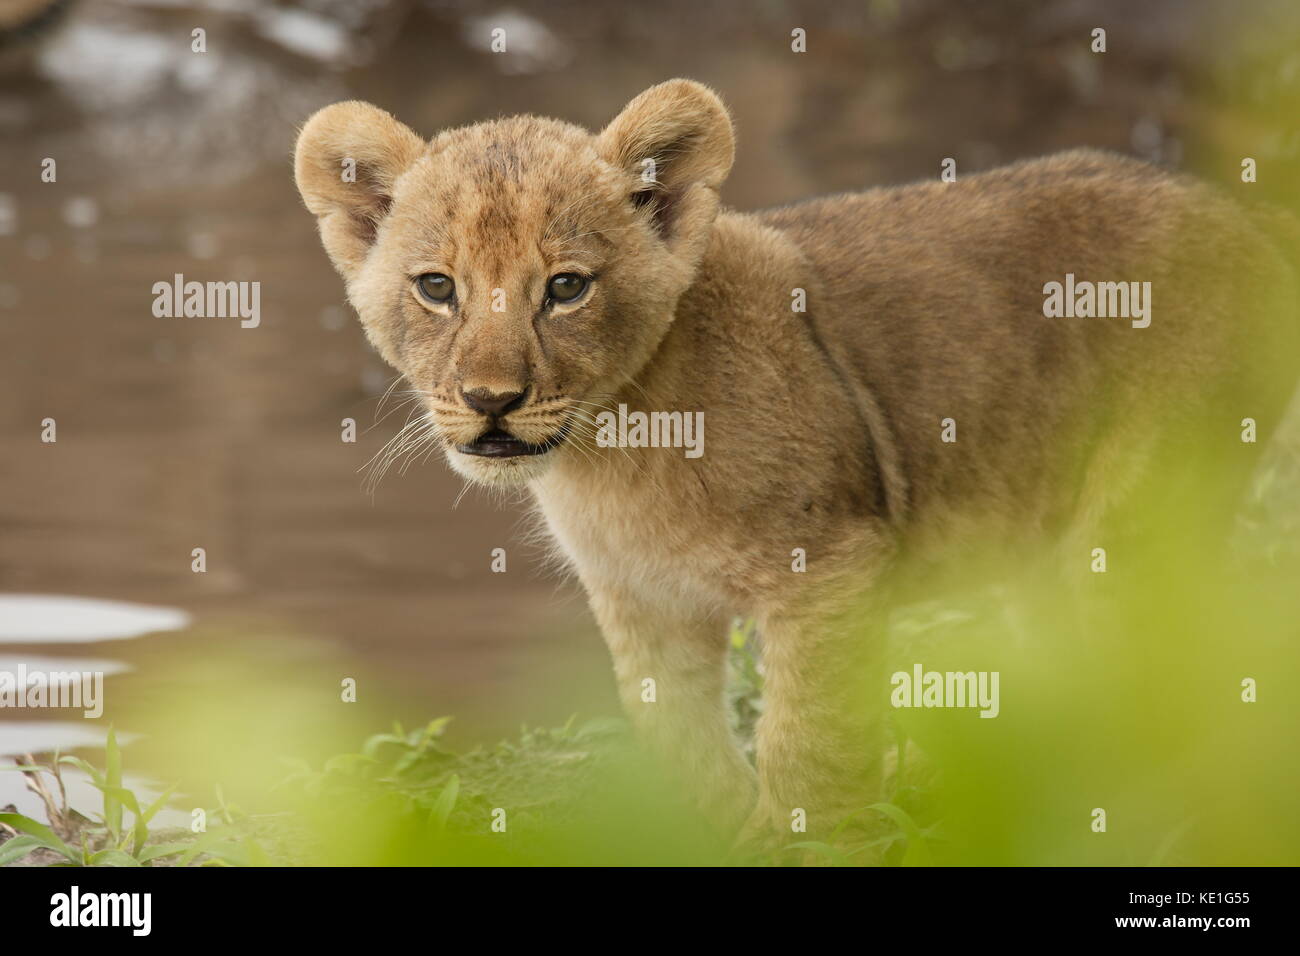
492,403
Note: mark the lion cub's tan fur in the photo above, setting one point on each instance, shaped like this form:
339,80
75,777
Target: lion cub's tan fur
823,428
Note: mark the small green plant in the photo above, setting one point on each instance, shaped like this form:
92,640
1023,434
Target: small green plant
105,840
745,682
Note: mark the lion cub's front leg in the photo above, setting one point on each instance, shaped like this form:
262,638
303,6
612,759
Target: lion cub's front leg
671,671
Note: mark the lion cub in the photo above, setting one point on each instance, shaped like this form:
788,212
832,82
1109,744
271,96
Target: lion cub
880,373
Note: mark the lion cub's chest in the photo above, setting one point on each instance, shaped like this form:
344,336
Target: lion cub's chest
628,531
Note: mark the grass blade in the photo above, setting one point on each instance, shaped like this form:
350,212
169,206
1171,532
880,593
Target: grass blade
445,804
49,839
113,858
113,782
19,847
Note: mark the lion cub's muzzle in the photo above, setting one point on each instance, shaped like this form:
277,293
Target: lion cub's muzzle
497,441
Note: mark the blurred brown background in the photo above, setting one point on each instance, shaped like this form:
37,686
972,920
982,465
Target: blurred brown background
181,433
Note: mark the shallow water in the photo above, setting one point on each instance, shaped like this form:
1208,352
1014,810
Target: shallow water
60,619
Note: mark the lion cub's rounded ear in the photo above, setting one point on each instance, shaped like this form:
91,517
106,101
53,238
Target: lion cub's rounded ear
676,138
347,159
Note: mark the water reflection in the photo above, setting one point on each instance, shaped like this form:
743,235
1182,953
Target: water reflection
47,736
59,619
67,620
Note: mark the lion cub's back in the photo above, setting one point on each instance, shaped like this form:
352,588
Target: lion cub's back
933,295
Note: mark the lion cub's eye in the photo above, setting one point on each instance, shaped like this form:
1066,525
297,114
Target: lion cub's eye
435,287
566,286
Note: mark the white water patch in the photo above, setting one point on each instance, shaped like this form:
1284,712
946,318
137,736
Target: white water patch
51,665
530,47
62,619
110,66
46,736
304,33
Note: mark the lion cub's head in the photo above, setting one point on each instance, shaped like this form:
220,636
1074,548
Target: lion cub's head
517,272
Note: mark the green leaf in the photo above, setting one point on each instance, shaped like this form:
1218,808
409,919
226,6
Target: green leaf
885,841
112,781
19,847
49,839
223,853
215,843
139,829
194,849
123,796
84,767
113,858
445,804
918,851
437,726
160,850
159,803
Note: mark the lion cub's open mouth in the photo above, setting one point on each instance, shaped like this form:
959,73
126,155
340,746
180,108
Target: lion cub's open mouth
501,444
